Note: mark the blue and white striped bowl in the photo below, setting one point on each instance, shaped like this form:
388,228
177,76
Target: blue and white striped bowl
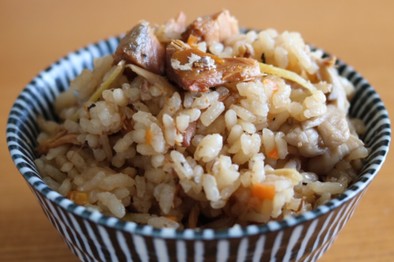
95,237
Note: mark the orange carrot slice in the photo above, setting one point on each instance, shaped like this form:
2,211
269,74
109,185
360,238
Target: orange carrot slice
173,218
80,198
273,154
148,136
263,191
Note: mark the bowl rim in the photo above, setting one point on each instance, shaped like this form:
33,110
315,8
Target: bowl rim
30,173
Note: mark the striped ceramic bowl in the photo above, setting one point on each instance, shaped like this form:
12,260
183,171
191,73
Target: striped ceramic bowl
94,237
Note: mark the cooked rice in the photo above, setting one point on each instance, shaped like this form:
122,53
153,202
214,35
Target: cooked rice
256,151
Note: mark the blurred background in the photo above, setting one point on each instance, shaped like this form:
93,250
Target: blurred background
37,32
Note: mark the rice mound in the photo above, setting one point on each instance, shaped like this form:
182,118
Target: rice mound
247,152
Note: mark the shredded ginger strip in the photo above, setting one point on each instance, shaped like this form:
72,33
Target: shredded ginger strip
115,72
152,78
286,74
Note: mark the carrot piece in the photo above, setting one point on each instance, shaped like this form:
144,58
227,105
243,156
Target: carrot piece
273,154
173,218
148,136
80,198
263,191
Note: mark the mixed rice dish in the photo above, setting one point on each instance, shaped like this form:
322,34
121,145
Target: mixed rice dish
203,126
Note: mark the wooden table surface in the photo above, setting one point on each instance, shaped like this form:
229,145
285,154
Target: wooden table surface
35,33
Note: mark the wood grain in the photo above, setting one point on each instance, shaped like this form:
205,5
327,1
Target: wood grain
35,33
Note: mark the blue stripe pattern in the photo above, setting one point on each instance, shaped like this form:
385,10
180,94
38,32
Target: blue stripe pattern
94,237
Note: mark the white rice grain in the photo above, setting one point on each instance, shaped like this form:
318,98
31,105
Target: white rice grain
182,122
209,147
181,166
110,201
212,113
210,187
